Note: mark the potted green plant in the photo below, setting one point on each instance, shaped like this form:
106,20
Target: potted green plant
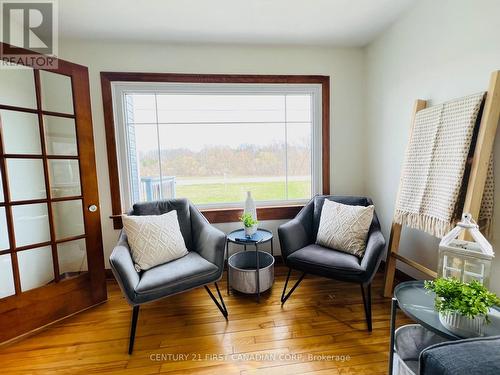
249,223
463,307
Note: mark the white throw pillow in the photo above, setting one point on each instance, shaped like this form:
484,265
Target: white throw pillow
344,227
154,239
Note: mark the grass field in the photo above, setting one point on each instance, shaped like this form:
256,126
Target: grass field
236,192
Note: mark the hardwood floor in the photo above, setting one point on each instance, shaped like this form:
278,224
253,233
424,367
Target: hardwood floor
186,334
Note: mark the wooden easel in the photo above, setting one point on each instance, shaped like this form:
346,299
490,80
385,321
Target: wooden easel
475,184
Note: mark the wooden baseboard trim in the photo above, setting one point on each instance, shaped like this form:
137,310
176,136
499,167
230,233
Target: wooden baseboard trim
109,274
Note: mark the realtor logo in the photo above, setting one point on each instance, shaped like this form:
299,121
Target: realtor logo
28,30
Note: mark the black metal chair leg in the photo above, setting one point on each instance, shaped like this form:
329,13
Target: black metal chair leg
286,284
367,302
283,297
135,315
257,273
222,307
227,265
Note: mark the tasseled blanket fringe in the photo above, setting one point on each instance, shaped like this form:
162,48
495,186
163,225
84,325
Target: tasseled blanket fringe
429,224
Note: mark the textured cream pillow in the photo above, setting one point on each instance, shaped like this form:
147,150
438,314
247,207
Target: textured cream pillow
344,227
154,239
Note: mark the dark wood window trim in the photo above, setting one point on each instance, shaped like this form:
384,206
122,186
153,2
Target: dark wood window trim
224,214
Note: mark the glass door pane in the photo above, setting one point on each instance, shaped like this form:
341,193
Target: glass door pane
6,276
1,189
57,94
4,233
68,219
60,136
64,178
26,179
36,268
20,132
31,224
17,87
72,257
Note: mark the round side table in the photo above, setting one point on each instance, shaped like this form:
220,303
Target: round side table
418,304
238,237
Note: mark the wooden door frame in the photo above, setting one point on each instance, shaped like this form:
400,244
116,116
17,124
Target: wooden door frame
27,311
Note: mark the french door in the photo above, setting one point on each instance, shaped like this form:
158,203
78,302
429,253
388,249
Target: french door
51,258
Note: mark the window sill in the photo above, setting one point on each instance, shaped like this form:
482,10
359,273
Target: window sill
231,215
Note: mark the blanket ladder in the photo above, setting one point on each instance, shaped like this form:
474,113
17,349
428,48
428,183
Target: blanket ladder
475,184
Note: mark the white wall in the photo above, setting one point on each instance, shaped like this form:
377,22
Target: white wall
437,51
344,66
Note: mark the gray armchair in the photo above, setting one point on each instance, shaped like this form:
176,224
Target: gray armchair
204,263
300,252
477,356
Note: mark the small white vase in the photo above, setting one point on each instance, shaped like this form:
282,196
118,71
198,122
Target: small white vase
250,231
250,207
463,325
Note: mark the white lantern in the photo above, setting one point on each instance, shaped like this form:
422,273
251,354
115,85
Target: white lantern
465,260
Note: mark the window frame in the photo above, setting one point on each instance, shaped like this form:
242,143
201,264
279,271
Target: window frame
120,89
114,84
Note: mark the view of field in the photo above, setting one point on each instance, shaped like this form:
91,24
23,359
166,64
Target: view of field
236,192
220,174
215,148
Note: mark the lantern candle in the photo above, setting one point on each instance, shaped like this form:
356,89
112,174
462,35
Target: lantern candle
465,260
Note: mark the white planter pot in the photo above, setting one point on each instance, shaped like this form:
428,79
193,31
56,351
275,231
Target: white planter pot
462,325
249,231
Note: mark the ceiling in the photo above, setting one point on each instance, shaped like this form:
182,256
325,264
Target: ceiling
315,22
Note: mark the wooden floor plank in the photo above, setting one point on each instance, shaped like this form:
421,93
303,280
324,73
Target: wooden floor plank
186,334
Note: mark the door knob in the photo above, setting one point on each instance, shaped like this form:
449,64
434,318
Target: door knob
93,208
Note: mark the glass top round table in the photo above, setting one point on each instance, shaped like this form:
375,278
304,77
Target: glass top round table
261,236
418,303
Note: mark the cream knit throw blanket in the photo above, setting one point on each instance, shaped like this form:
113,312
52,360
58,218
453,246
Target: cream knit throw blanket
431,189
